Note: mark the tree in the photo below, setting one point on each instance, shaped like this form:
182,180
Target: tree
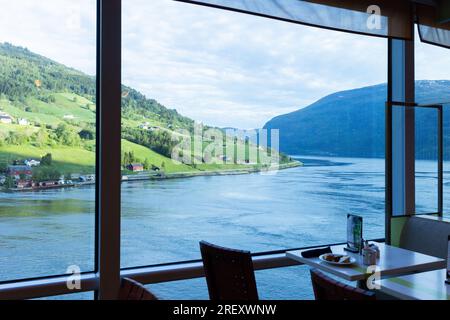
9,182
86,134
3,167
132,157
159,141
45,173
146,164
47,160
16,138
61,130
67,136
129,158
125,159
41,138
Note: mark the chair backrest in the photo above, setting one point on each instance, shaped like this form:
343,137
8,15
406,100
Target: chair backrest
426,235
326,288
133,290
229,273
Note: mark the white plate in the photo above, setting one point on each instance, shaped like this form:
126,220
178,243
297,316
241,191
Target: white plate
352,260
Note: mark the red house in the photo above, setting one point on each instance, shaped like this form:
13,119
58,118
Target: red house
136,167
19,170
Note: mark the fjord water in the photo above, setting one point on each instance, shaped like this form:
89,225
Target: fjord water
42,233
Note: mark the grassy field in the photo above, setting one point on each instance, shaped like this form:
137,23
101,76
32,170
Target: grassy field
6,128
78,160
66,159
52,113
154,158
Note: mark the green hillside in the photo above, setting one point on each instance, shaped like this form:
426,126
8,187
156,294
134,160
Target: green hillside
67,159
48,108
154,158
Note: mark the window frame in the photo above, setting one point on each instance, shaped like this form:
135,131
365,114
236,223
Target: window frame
440,197
105,279
108,159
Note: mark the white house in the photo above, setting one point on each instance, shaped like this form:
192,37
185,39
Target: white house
87,178
69,117
5,118
32,163
23,122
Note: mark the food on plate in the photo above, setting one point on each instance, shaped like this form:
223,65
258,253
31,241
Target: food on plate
338,258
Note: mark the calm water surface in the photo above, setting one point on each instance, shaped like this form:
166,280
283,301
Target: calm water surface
43,233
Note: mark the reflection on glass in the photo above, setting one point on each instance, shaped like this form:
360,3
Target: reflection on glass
426,165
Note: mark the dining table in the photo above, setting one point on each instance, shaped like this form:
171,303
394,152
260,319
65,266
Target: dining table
392,262
429,285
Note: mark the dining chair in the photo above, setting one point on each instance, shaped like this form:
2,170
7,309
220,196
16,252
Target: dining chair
229,273
133,290
326,288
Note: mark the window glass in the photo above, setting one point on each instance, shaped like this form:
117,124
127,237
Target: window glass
426,149
432,87
194,167
71,296
47,137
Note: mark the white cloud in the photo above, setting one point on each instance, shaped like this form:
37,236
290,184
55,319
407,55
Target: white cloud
231,69
60,29
432,62
222,68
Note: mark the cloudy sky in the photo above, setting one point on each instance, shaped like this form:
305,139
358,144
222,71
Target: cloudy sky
222,68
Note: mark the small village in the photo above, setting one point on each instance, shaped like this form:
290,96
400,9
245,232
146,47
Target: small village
19,177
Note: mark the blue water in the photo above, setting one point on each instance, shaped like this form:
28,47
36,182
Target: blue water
162,221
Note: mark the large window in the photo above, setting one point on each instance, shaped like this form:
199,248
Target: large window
323,104
242,131
47,137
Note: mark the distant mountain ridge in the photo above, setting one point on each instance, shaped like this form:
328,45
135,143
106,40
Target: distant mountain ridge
351,123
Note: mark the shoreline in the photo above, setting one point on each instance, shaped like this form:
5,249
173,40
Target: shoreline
173,175
228,172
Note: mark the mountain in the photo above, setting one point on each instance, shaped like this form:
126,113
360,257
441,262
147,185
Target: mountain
49,108
24,74
352,123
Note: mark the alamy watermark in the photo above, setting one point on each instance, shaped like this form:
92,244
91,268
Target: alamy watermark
373,281
374,19
257,148
73,281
